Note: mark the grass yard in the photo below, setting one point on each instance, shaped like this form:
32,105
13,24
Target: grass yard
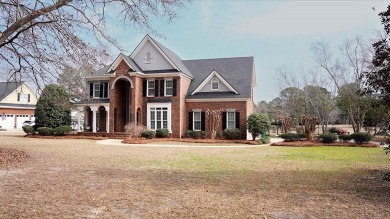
81,179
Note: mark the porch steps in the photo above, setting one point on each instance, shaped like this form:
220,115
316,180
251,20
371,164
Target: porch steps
119,135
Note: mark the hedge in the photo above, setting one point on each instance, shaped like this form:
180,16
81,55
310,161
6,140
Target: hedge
195,134
62,130
345,138
28,129
293,137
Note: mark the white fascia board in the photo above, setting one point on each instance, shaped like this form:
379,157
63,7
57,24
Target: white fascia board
207,80
18,107
142,44
218,100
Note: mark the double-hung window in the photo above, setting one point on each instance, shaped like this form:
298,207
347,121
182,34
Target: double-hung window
168,87
215,84
231,120
151,87
197,120
100,90
96,90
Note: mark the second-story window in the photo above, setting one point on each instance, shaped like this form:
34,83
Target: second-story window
151,88
99,89
96,90
168,87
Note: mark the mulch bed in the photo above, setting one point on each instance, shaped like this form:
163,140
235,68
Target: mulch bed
317,143
9,156
188,140
67,137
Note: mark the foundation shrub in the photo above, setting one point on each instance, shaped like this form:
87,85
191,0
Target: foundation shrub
162,133
231,134
62,130
148,134
345,138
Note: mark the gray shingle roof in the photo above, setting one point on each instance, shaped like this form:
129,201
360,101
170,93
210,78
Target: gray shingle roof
6,88
174,58
236,71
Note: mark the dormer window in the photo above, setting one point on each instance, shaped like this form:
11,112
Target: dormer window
215,84
148,58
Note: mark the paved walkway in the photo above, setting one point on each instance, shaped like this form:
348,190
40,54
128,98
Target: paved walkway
119,142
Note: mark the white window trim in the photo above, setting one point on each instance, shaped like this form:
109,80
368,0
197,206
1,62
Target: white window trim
165,87
193,119
158,105
94,90
227,118
147,88
213,81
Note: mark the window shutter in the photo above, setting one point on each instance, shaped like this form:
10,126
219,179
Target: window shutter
238,120
162,87
190,120
28,100
223,121
156,88
144,88
101,90
91,90
174,87
18,97
203,121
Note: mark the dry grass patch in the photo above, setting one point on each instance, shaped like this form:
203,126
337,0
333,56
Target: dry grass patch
69,178
315,143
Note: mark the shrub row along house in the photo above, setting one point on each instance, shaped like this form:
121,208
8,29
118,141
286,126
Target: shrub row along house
153,87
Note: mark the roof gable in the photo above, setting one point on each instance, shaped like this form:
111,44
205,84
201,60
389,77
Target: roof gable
169,61
9,91
207,82
6,88
121,57
238,72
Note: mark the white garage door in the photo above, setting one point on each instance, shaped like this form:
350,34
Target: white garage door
7,121
20,119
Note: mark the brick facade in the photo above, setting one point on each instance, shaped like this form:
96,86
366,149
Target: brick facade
239,106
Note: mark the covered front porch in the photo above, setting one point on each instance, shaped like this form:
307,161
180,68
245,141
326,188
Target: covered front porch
96,117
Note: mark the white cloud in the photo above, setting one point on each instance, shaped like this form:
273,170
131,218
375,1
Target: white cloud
298,18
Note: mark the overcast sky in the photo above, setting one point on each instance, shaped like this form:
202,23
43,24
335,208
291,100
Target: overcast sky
276,33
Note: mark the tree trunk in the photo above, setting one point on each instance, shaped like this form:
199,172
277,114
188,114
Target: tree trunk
309,135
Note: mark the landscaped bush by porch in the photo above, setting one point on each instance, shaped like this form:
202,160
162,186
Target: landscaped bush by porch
162,133
196,134
62,130
231,134
148,134
345,138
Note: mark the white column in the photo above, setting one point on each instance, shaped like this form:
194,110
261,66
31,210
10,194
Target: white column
79,121
94,109
93,121
107,119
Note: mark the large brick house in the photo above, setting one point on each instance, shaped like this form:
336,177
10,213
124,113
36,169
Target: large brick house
155,88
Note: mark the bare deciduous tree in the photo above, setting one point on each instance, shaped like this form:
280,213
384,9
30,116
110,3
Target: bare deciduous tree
39,38
347,69
134,130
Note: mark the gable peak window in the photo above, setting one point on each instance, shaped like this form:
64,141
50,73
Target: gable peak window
215,84
151,87
148,58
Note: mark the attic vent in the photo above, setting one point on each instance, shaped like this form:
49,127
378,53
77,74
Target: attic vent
148,58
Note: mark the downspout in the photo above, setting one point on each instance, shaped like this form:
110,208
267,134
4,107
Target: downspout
180,106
